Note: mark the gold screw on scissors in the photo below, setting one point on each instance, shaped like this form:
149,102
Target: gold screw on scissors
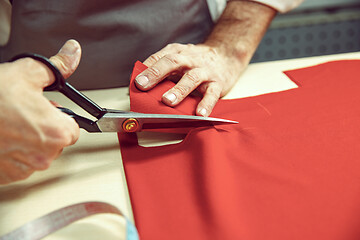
130,125
110,120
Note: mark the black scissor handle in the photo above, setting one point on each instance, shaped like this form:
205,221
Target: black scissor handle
64,87
83,122
59,82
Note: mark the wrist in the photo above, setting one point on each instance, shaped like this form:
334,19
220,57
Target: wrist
240,29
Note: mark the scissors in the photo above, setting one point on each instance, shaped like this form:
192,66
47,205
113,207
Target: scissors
110,120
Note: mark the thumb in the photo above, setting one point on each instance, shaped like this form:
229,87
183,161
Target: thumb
68,58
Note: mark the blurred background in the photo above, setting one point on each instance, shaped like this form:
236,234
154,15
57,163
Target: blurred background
316,27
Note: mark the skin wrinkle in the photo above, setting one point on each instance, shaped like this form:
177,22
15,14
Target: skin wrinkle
22,166
40,76
173,59
182,90
35,137
25,154
154,72
195,76
231,40
154,58
18,170
221,58
33,131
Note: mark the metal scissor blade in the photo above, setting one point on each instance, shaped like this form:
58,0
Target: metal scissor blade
135,122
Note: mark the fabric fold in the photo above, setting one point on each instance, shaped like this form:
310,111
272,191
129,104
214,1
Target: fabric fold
288,170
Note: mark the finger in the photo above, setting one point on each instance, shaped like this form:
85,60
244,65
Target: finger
70,130
11,171
55,103
68,58
39,75
43,161
74,129
211,97
188,83
66,61
169,49
55,137
161,69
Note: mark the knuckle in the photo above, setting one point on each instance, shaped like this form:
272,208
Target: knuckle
154,58
62,65
43,160
61,138
174,45
53,138
32,72
32,66
194,76
30,62
173,59
211,91
213,101
154,72
209,102
203,87
24,174
214,91
214,96
45,164
211,58
183,90
55,135
213,52
17,171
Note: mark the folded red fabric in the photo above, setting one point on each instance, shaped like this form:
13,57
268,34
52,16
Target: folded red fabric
289,170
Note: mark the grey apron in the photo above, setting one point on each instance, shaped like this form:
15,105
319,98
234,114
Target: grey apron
113,33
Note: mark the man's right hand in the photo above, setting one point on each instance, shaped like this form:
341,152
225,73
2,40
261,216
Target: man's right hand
32,131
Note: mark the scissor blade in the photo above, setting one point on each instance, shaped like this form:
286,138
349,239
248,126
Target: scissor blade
135,122
181,121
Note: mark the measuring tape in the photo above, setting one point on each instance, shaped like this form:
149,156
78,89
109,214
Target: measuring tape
47,224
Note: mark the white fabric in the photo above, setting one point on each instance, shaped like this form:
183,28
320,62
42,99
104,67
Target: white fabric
216,7
281,5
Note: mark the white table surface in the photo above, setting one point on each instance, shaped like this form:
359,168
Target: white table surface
92,170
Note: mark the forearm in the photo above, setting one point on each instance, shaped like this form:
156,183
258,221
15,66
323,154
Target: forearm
240,29
212,67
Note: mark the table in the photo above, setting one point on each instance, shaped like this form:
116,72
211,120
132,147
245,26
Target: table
91,170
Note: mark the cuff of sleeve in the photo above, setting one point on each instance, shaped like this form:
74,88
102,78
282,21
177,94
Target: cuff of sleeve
281,6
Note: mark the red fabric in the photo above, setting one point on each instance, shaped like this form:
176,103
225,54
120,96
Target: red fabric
289,170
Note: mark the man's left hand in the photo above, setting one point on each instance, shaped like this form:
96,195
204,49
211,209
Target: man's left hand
199,67
213,67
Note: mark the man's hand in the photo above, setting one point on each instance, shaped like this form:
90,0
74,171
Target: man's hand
33,132
214,66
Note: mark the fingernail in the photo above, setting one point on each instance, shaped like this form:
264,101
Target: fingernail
142,81
203,112
170,97
70,48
